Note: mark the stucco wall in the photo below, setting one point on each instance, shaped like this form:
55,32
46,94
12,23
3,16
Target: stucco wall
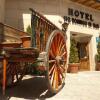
2,10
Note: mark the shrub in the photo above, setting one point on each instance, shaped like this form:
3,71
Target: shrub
73,57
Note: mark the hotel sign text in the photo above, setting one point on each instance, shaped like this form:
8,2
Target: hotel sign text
80,17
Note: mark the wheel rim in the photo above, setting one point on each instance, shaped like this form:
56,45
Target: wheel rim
56,60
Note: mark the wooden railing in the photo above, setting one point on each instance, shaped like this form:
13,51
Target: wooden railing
41,29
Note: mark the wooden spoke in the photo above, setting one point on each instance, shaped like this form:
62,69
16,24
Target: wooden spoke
52,68
60,46
59,78
53,48
55,42
63,54
63,68
52,55
62,49
52,77
52,61
60,72
58,42
54,80
56,61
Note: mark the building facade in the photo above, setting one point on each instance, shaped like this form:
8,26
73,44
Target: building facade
83,22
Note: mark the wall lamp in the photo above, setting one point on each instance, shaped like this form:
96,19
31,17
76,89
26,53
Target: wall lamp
65,26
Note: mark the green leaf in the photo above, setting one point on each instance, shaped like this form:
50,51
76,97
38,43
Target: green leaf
73,58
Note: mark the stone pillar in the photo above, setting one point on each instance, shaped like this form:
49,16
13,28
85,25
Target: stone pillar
2,10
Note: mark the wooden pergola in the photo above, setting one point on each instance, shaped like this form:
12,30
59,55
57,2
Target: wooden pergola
95,4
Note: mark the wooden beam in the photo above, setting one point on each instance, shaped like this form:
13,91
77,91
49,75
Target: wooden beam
89,2
89,5
81,1
95,5
98,8
74,0
86,1
4,75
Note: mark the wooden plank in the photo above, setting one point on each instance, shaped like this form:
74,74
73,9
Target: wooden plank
81,1
98,8
4,75
89,3
85,2
9,34
96,5
74,0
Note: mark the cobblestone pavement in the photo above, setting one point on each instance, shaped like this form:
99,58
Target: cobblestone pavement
81,86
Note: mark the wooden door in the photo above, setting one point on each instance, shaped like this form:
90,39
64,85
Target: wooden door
84,56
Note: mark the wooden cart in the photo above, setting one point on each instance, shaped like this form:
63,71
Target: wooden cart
45,46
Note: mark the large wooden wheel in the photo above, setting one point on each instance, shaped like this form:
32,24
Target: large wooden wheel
15,73
56,60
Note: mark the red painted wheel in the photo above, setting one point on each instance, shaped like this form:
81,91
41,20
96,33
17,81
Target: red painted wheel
56,60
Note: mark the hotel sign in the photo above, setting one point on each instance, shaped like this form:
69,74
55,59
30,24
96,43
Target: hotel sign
80,17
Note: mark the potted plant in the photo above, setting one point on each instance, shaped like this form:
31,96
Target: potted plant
73,57
98,57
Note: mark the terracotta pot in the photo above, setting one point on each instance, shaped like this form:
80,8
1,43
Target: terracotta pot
26,41
73,67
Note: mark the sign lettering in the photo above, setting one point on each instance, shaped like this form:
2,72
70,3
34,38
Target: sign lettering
80,17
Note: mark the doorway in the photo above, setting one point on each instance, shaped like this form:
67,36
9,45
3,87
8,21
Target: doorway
83,51
83,41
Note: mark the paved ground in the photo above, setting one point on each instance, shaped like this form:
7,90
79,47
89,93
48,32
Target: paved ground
81,86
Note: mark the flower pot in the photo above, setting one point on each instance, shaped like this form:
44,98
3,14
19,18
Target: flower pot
26,41
73,67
